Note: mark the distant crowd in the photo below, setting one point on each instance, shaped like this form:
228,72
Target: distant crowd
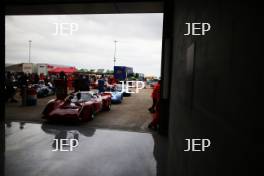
74,82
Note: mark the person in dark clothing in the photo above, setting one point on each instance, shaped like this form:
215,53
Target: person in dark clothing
9,88
87,83
81,83
63,76
76,84
23,83
22,80
101,85
61,86
36,79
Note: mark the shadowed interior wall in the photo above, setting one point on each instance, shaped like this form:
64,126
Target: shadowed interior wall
213,82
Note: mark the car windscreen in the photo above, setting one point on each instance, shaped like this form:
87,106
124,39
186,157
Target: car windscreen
84,97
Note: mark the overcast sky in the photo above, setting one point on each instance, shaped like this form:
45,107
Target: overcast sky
139,39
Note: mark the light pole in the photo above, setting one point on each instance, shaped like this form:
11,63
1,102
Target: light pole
29,47
115,53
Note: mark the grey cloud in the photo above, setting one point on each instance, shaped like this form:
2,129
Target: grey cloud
139,40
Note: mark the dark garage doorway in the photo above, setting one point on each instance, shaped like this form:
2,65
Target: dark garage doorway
132,118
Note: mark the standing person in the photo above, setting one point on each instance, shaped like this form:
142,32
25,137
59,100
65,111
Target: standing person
93,82
94,78
41,76
101,84
81,83
23,84
62,75
53,77
154,96
75,83
32,78
36,79
9,87
156,115
61,86
87,83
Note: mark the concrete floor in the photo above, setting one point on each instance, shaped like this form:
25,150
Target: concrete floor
101,152
130,115
115,143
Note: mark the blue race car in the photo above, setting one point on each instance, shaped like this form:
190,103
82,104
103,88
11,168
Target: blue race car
116,96
44,90
121,89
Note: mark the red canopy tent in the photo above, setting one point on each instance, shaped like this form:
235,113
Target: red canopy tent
66,70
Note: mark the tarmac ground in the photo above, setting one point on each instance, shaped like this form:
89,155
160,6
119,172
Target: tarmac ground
131,115
115,143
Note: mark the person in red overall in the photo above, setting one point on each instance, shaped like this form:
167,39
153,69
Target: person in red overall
114,81
154,123
69,82
154,96
41,76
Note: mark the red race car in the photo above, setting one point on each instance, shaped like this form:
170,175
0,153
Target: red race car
80,106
